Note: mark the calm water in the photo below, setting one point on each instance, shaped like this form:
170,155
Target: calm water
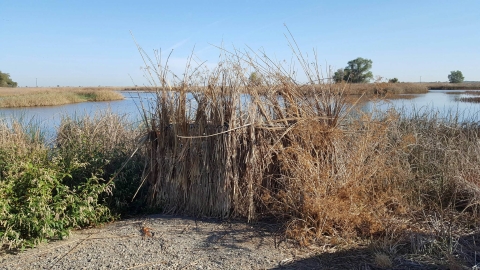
49,118
442,103
439,102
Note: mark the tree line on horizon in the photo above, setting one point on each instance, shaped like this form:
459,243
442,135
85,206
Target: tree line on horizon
358,71
6,81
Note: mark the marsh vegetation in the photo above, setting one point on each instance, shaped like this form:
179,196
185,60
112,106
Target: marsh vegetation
454,86
294,153
32,97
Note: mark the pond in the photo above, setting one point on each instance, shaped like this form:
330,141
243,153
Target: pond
442,103
48,118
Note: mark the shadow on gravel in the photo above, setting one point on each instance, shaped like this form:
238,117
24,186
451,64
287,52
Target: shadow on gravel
361,259
466,255
237,234
233,234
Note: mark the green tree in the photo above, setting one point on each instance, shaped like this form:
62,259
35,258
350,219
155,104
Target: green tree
456,77
339,75
255,79
6,81
358,70
394,80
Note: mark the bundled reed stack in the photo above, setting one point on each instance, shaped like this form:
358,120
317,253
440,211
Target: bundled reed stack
214,142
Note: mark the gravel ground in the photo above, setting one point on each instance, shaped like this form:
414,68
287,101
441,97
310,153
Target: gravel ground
165,242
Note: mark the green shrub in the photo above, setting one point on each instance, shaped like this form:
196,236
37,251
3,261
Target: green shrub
35,203
45,191
103,143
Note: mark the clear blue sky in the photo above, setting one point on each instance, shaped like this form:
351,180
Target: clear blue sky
88,43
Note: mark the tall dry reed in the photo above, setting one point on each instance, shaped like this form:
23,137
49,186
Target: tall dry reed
294,151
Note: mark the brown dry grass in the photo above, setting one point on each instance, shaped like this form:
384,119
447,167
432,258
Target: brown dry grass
30,97
472,93
471,96
469,99
384,88
293,151
453,86
9,91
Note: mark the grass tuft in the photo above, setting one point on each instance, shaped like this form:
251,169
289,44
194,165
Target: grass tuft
383,261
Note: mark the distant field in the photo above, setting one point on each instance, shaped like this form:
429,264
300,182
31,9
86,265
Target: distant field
43,96
385,88
453,86
404,88
48,96
350,89
9,91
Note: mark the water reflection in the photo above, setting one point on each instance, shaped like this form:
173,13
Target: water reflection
444,104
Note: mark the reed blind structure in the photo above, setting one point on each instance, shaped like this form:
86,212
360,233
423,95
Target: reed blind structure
216,150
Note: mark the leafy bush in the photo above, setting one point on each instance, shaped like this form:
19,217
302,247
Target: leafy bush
393,80
46,191
35,202
103,143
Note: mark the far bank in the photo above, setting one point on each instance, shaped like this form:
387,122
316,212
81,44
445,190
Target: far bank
34,97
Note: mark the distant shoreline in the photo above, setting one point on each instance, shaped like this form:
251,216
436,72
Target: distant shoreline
454,86
42,96
66,95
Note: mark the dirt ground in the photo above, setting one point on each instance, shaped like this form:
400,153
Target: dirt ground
165,242
168,242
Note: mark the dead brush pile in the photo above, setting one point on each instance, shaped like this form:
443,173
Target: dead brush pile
221,146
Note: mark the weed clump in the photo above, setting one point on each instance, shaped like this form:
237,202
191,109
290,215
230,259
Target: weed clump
45,190
35,201
104,144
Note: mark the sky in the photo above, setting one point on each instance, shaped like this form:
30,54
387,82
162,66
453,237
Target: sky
90,43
